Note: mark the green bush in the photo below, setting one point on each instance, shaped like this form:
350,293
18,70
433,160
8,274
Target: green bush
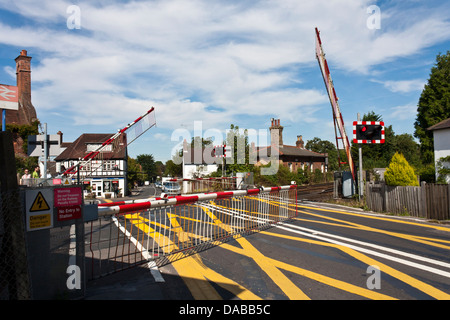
400,173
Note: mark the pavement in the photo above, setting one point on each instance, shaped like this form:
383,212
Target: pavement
138,283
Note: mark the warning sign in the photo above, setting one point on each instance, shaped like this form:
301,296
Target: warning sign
40,221
39,204
69,213
68,196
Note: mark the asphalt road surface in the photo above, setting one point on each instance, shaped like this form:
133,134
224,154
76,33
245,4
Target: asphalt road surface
326,253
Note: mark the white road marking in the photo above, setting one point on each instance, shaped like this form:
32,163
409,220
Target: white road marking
315,234
151,263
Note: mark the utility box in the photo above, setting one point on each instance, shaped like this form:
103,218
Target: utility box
348,185
244,179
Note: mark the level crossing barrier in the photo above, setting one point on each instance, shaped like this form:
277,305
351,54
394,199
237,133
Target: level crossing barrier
204,185
161,230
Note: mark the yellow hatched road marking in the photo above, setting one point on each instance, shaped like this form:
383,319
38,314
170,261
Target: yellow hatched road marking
316,276
286,285
195,275
347,224
424,287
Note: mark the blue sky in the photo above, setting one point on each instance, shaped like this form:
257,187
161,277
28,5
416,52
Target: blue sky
218,63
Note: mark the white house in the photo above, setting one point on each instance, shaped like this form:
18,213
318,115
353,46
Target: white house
441,135
106,175
199,162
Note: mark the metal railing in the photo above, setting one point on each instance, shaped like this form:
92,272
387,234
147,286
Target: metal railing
161,230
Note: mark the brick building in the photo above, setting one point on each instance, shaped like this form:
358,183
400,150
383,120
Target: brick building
26,113
293,157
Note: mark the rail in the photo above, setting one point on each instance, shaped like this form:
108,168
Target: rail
159,231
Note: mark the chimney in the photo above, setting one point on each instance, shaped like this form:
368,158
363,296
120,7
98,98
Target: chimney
299,143
23,72
26,113
60,134
276,132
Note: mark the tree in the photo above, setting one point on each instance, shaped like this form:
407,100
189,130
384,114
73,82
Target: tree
173,169
433,106
132,172
325,146
160,168
199,141
238,140
405,144
148,166
400,173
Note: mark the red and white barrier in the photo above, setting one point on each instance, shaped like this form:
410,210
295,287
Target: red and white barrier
122,207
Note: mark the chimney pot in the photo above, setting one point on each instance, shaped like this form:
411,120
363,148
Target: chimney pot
23,52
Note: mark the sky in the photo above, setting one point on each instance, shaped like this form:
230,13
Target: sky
205,64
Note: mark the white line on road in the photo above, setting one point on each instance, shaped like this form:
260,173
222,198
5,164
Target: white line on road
151,264
321,235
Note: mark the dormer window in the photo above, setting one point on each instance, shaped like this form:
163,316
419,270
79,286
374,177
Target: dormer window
95,146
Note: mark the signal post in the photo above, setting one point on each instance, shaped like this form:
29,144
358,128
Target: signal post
366,132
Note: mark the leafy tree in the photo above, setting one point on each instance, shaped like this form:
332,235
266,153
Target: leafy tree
160,168
173,169
133,172
238,139
433,106
443,170
148,166
400,173
325,146
199,141
405,144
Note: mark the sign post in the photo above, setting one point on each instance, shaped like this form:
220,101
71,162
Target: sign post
9,99
366,132
360,166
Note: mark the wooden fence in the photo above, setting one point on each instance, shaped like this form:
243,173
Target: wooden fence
431,201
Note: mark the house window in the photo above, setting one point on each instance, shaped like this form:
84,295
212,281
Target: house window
109,165
95,146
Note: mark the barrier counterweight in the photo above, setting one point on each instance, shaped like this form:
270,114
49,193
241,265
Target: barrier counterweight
163,230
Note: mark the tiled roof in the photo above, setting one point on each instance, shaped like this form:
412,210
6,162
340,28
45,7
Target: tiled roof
441,125
77,149
295,151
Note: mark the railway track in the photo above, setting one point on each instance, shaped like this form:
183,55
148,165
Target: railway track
315,192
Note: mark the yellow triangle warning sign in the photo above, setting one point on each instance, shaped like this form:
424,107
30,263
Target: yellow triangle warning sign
39,204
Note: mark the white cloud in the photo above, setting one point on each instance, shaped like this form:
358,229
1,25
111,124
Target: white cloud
406,112
402,86
187,58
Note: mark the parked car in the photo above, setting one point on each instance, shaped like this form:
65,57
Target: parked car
171,188
158,184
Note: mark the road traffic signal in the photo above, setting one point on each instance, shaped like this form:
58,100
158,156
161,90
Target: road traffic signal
368,132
